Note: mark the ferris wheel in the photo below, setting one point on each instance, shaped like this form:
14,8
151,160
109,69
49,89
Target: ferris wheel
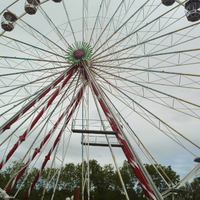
80,75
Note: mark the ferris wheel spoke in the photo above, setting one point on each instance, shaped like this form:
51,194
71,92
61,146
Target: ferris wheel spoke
37,35
151,114
84,19
49,20
155,77
23,85
56,142
13,119
75,101
110,146
106,26
153,90
23,46
22,138
22,121
11,104
155,39
31,71
135,31
119,22
96,20
148,55
131,156
144,148
69,21
141,145
165,129
178,55
58,171
32,59
119,28
147,70
47,157
181,34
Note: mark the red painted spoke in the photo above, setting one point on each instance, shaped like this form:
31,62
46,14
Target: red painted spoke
22,138
75,101
47,157
15,117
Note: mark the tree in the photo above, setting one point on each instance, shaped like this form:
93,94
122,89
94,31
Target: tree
170,177
104,181
68,178
192,190
195,189
129,179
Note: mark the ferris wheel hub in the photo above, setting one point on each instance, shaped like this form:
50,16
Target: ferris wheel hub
78,52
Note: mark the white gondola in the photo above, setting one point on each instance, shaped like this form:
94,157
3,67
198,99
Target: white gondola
31,6
8,21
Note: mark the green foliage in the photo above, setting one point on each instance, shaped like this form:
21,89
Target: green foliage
167,173
192,190
104,181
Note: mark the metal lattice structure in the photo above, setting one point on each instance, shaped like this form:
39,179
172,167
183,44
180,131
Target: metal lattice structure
132,67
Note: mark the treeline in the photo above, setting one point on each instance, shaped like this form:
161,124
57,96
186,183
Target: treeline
104,182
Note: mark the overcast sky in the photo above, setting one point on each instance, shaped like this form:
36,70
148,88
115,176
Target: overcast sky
145,59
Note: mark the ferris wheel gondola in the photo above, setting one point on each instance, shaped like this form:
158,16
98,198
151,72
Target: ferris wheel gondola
168,2
57,1
31,6
8,21
192,10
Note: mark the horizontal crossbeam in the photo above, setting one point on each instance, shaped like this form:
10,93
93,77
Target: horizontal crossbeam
94,131
101,144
